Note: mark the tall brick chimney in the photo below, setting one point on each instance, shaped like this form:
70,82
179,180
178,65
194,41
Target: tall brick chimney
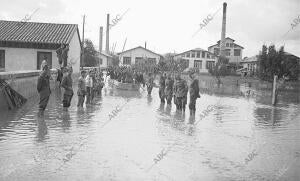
107,35
223,33
100,39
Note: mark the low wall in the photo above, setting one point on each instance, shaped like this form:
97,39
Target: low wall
24,82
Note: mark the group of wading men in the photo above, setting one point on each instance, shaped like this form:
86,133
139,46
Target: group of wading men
177,90
90,84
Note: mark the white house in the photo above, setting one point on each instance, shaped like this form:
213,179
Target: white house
138,55
24,45
233,51
198,58
250,64
105,60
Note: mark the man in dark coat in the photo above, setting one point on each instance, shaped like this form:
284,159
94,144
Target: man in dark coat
67,85
194,94
161,90
180,92
43,88
150,83
169,89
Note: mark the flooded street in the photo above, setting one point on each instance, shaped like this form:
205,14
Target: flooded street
131,136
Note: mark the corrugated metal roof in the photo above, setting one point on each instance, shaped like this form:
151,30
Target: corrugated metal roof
32,32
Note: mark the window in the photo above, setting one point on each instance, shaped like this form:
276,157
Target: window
198,64
208,55
237,52
188,54
193,54
210,64
138,60
152,60
227,52
198,54
203,54
100,61
126,60
227,44
2,60
216,51
231,44
44,56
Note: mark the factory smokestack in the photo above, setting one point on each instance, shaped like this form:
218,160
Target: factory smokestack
223,33
100,39
107,35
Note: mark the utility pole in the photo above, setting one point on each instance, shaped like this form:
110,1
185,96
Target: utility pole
124,44
82,51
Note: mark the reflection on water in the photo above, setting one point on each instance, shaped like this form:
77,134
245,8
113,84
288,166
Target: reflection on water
85,144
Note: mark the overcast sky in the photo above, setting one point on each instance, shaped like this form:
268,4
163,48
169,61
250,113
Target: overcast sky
168,25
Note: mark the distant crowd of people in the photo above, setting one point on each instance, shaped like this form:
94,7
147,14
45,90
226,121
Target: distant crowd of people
126,75
90,84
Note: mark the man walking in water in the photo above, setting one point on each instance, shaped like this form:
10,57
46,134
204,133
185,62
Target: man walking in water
67,85
150,83
194,94
81,89
161,90
180,92
169,89
43,88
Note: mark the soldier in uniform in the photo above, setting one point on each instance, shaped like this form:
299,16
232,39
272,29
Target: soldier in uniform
67,85
150,83
194,94
180,92
169,89
161,90
43,88
81,92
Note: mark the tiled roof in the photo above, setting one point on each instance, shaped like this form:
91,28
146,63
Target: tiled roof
15,31
141,48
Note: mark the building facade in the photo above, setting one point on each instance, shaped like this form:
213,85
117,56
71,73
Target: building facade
233,51
250,64
138,55
24,45
105,60
198,58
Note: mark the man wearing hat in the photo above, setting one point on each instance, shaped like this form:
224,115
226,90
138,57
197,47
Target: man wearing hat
66,83
43,88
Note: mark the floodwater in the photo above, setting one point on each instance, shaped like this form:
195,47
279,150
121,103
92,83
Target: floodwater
236,135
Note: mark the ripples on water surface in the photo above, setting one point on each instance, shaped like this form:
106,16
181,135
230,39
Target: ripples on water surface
242,138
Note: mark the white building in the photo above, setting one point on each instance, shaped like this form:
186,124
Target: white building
233,51
138,55
105,60
198,58
250,64
24,45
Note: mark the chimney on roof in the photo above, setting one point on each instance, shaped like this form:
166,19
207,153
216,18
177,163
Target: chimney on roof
145,45
223,33
107,35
